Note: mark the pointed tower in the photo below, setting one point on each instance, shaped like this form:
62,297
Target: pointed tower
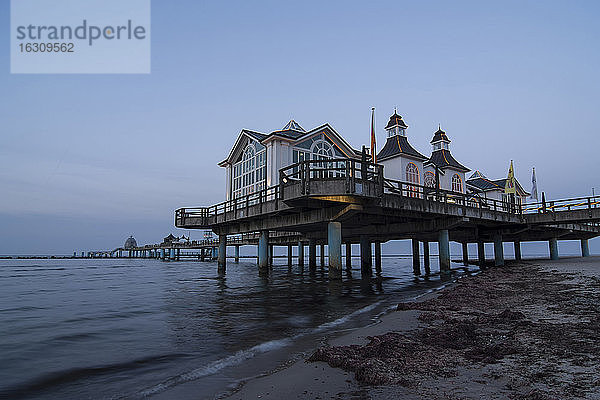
451,173
401,161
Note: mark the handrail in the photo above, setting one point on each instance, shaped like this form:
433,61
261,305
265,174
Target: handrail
355,172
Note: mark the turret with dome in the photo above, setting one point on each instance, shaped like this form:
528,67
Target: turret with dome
451,173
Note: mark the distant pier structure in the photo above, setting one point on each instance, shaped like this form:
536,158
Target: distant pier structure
301,188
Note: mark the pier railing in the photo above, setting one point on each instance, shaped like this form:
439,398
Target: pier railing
353,177
576,203
473,200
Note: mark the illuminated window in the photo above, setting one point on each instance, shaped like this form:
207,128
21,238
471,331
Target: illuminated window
457,183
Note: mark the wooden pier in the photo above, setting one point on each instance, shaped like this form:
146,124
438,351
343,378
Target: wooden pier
343,201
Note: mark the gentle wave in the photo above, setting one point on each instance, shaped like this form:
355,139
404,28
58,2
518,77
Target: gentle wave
215,366
52,380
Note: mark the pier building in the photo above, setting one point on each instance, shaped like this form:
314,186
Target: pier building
312,188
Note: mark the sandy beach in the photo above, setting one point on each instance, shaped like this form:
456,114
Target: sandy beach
528,330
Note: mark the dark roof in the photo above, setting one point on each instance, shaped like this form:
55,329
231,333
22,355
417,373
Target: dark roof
497,184
288,133
395,119
398,145
443,159
439,135
256,135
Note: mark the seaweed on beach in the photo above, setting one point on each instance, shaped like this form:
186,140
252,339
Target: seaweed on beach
533,327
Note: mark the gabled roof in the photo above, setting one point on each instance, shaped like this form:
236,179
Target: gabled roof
349,151
487,185
443,159
398,145
439,135
245,133
396,120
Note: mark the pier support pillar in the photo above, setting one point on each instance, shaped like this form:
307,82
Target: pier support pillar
237,254
517,245
553,244
263,252
585,248
348,256
465,253
289,254
416,257
271,251
301,254
202,254
178,254
323,254
378,258
498,251
365,257
312,253
444,250
426,260
481,254
222,261
334,242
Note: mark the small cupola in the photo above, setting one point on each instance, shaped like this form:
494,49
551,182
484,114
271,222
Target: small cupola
396,125
440,141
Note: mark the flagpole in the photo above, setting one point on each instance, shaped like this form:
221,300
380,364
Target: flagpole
373,139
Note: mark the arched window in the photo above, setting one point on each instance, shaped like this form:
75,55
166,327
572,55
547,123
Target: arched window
321,150
457,183
429,179
249,174
412,173
412,176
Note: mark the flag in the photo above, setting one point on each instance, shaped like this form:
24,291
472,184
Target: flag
373,141
509,187
534,192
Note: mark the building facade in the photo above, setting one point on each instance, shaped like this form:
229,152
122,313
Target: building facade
255,159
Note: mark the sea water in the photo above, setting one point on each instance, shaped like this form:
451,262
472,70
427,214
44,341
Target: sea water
140,328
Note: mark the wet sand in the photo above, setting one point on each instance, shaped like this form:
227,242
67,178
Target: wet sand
524,331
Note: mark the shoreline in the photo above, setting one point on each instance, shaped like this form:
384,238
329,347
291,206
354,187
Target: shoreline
454,348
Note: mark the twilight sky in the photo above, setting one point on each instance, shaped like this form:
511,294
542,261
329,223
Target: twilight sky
86,160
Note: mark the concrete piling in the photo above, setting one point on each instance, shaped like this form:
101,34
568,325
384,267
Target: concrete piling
517,246
323,255
416,257
426,260
378,258
365,257
334,241
498,250
465,253
263,252
289,254
444,250
222,257
481,253
312,253
348,256
237,254
301,254
553,244
585,248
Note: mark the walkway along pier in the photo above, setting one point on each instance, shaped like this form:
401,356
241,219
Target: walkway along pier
344,201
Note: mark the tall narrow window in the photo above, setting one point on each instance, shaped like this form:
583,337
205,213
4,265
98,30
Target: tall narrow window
457,183
412,176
